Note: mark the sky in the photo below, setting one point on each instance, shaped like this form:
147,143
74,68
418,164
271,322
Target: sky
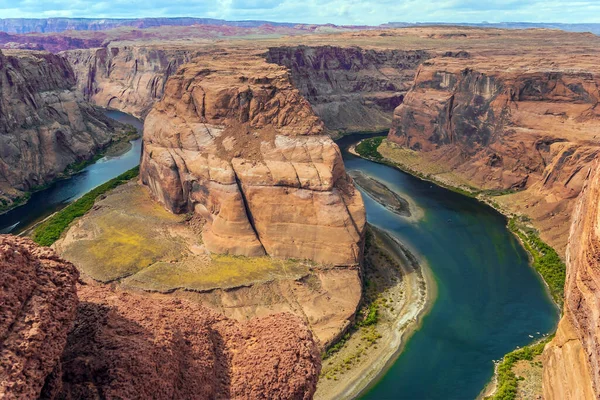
349,12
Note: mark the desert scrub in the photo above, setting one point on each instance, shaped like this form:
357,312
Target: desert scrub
507,380
545,259
50,230
368,147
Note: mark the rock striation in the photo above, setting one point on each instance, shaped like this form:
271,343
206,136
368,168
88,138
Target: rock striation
518,130
38,303
128,78
113,344
350,88
44,124
233,141
572,358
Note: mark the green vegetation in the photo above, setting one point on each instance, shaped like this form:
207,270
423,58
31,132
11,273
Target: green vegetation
507,380
545,259
50,230
368,147
372,315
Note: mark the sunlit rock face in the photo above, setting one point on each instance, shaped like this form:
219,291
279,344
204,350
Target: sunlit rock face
234,141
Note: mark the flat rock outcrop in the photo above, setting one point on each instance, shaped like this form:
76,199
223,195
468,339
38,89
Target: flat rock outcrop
233,141
45,125
38,303
572,359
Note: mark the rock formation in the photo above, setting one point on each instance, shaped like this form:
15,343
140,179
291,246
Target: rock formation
38,303
114,344
128,78
351,89
44,124
234,141
572,359
129,346
506,130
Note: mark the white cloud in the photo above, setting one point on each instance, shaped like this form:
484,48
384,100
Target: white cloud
317,11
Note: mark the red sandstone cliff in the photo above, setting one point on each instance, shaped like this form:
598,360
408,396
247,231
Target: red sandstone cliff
234,141
531,130
572,359
119,345
350,88
44,124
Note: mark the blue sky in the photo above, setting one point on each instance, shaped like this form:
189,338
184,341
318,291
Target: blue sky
372,12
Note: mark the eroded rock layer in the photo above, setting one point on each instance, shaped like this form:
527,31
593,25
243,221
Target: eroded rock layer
38,303
234,141
572,359
350,88
44,124
128,78
506,130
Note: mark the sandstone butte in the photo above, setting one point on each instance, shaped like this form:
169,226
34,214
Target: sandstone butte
60,339
511,112
233,141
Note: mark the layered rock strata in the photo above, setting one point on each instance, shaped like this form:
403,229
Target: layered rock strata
128,78
518,130
44,124
572,359
350,88
234,141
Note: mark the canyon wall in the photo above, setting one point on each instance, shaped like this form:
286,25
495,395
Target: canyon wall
128,78
44,124
59,340
526,131
350,88
233,141
572,359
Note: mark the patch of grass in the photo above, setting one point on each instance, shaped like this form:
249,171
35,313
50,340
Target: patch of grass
50,230
368,147
507,380
545,259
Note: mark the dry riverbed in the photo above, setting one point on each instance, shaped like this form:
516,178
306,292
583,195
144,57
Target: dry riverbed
400,289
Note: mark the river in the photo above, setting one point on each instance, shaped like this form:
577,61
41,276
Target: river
45,202
489,299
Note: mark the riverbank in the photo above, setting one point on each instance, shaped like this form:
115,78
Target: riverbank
398,292
543,258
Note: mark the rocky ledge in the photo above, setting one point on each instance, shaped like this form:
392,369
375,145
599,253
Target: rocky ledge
114,344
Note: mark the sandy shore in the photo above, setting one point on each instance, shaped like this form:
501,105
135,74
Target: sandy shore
406,292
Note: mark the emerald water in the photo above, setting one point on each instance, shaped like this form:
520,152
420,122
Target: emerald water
62,192
489,300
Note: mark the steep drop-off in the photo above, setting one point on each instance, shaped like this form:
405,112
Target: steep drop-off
128,78
44,124
532,131
350,88
113,344
572,359
233,141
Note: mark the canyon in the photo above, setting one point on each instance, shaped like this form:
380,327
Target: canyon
237,140
45,124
